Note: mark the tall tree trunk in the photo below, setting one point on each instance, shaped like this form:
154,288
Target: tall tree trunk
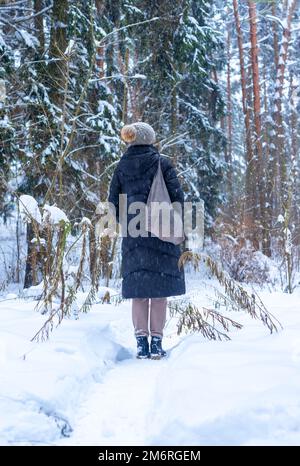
39,25
295,146
135,94
278,117
277,176
267,224
125,89
57,48
292,204
275,35
100,60
174,110
258,157
249,215
294,99
228,150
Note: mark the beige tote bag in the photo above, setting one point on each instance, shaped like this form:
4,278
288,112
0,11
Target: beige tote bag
163,219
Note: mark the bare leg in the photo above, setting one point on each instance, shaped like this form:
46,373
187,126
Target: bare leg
158,316
140,316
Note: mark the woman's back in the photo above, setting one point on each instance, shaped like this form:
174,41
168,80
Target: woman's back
135,172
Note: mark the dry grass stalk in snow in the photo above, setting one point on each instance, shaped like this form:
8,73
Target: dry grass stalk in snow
235,296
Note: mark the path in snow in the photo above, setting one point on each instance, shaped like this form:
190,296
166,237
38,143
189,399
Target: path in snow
118,411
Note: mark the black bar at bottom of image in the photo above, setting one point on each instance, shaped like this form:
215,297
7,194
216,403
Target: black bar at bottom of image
132,455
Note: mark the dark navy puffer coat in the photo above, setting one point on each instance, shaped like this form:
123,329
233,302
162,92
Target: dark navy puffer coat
149,265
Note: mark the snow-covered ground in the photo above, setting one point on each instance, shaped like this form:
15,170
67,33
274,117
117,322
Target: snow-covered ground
85,387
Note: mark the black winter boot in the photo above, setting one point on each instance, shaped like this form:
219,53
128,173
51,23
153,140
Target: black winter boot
142,347
156,351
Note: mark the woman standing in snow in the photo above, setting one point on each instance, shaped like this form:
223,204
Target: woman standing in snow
149,265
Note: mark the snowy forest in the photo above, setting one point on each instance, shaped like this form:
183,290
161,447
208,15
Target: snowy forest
219,82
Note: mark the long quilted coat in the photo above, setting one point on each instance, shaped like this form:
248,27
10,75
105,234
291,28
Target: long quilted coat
149,265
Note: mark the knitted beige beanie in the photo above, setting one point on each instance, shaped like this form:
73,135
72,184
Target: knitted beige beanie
138,133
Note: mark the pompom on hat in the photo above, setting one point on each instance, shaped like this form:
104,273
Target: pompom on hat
138,133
